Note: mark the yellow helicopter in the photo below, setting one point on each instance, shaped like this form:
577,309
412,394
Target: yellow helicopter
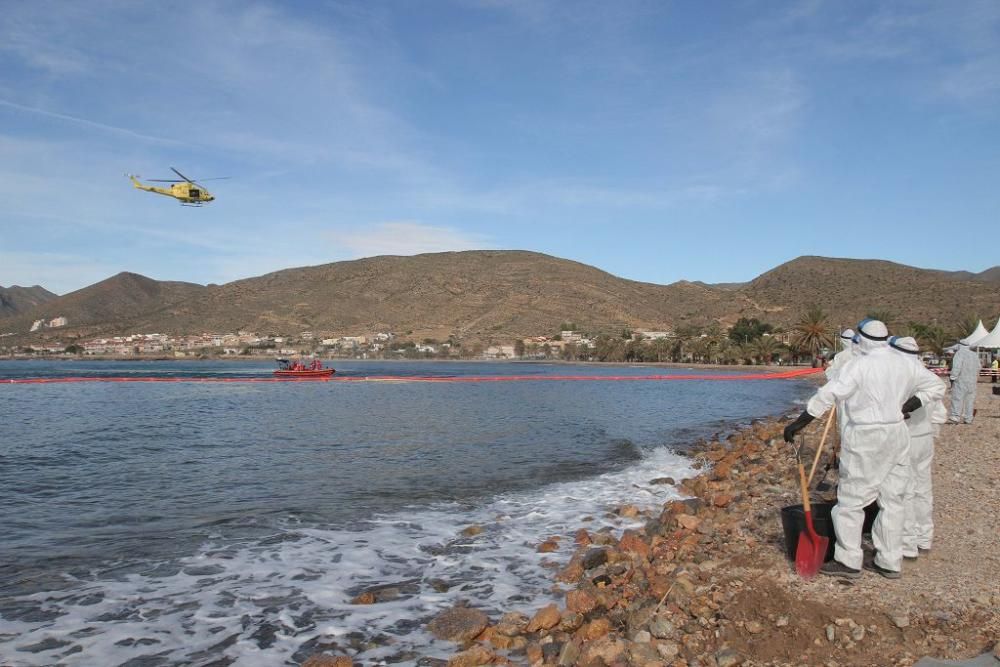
186,191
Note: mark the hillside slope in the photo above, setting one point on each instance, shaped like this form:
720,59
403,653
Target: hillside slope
109,305
848,289
15,300
501,294
474,293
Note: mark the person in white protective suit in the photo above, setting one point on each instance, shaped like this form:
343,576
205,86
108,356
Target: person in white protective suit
877,388
964,375
847,346
918,500
848,350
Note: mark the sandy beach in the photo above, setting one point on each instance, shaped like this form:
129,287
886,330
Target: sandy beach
706,581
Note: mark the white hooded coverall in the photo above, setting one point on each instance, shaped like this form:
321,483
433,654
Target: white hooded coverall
875,452
964,375
918,500
841,359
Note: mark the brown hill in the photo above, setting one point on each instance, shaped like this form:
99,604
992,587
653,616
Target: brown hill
501,294
478,294
991,275
110,305
848,289
15,299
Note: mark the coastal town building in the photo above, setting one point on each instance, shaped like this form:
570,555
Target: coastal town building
655,335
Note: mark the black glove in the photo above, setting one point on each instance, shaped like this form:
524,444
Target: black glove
797,426
912,403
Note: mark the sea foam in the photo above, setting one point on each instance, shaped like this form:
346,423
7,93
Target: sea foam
279,599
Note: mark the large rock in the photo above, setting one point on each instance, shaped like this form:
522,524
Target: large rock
580,601
458,624
569,655
475,656
512,623
688,521
547,617
632,542
609,649
571,621
727,657
662,628
595,629
594,558
321,660
548,546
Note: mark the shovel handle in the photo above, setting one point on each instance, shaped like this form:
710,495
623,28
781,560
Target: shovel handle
805,489
822,441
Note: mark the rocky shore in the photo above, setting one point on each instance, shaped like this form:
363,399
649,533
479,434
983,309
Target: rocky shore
706,581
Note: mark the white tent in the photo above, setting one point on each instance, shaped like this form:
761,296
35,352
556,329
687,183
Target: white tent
990,340
980,332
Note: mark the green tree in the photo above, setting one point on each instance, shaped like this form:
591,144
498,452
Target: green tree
660,349
812,332
685,336
518,348
914,329
968,324
73,348
748,330
935,339
608,348
765,349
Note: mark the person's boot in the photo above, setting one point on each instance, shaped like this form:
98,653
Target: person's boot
888,574
837,569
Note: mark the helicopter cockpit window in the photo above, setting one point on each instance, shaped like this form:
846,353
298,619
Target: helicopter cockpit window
195,193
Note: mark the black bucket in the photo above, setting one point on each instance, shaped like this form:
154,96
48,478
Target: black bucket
793,520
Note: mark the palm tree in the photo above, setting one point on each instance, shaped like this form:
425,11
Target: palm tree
812,333
935,339
914,329
765,348
700,349
968,325
686,334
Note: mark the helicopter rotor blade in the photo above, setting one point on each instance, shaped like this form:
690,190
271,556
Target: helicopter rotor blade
181,175
217,178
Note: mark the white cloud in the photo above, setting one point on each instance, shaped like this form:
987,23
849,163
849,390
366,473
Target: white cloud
973,81
41,38
952,46
88,123
407,238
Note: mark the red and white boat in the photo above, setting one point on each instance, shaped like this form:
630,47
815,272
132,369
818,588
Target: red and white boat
297,369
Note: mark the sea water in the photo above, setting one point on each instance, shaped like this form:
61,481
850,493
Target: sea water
233,523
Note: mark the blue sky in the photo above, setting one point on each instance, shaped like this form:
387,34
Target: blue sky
656,140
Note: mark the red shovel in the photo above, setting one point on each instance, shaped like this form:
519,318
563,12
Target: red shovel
811,552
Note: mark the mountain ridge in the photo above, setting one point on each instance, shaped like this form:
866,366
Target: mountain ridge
499,294
16,299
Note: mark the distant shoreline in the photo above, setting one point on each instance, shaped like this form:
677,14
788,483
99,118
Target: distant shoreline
334,360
